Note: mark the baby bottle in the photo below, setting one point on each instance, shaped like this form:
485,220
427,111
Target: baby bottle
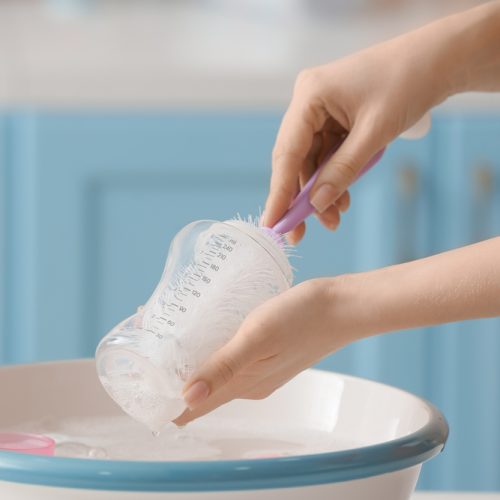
215,274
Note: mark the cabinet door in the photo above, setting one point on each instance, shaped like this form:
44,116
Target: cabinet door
465,356
96,199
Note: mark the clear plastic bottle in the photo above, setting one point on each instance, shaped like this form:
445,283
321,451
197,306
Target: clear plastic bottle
215,274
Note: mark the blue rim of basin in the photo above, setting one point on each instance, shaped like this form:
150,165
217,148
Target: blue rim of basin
224,475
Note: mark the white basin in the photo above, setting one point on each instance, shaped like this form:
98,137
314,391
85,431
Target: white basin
333,436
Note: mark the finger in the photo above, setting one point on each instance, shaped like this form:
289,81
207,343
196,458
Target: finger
344,202
257,377
260,390
295,138
220,369
238,387
329,140
333,134
344,167
333,127
225,394
184,418
312,160
294,236
330,218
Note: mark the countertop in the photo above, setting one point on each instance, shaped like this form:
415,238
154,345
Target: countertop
194,53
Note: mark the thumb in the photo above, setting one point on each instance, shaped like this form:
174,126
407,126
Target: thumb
215,373
344,167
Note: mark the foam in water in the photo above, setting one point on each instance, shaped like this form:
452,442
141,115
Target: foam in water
121,438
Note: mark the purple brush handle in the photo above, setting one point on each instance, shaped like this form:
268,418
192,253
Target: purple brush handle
301,207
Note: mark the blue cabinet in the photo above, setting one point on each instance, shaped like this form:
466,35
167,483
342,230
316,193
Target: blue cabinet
94,202
90,202
465,367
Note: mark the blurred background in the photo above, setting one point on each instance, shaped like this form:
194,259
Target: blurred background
123,120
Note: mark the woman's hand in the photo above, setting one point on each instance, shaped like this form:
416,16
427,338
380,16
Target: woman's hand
296,329
276,341
370,98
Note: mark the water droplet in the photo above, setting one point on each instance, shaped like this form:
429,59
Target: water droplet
155,433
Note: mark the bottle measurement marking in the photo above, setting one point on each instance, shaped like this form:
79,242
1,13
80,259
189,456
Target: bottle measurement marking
219,248
158,335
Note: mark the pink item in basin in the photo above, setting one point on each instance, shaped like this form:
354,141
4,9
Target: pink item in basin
23,442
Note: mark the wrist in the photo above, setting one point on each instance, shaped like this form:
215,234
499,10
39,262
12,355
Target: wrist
352,307
371,303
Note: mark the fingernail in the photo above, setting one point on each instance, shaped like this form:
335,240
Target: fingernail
196,394
323,198
332,225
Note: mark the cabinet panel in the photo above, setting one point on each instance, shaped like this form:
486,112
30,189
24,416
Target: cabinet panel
465,368
96,199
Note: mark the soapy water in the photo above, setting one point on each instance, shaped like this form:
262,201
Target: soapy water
121,438
79,450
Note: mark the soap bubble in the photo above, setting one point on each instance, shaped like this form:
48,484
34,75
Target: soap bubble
98,453
74,449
